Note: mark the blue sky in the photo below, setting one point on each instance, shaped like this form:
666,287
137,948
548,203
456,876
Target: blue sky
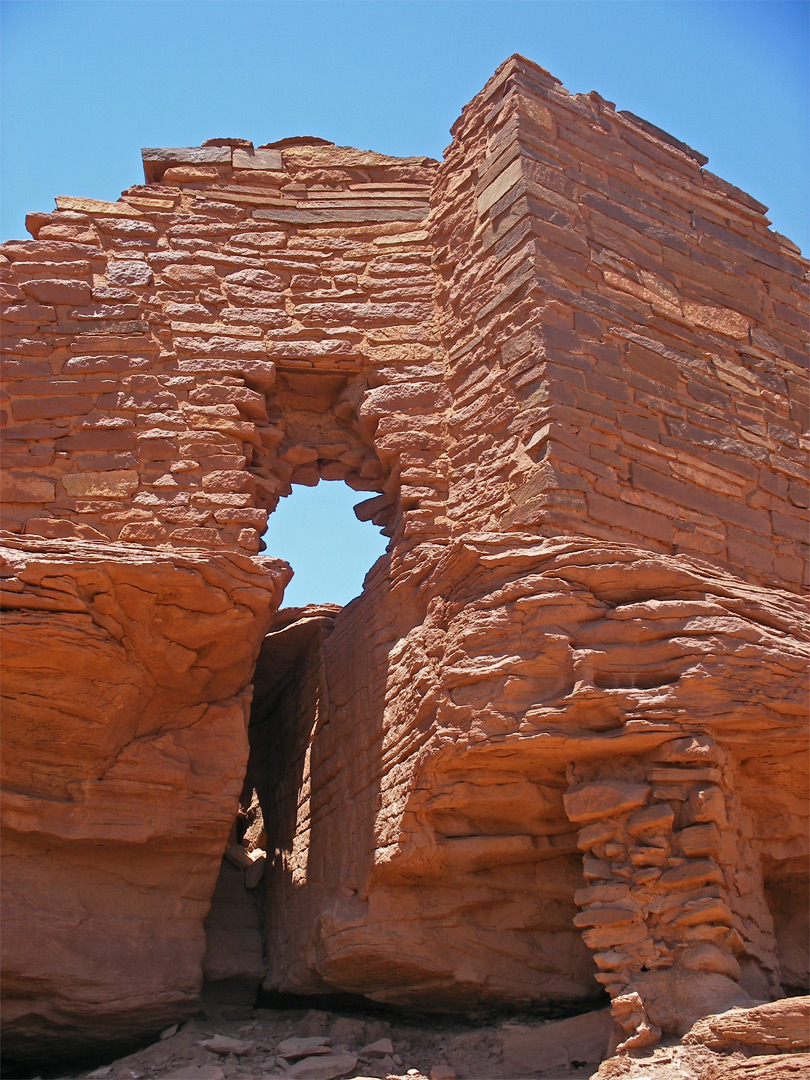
85,85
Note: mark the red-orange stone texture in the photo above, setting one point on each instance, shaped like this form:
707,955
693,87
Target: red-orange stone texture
560,740
126,697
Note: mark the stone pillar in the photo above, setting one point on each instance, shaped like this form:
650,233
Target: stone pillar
674,906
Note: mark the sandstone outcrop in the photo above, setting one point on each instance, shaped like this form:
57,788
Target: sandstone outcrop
766,1042
124,740
533,771
558,746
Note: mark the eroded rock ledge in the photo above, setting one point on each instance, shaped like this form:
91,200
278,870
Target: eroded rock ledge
557,747
126,694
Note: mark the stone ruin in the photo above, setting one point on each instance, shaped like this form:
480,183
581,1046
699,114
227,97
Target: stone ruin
557,748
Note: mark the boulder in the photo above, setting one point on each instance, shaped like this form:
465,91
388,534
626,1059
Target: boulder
127,682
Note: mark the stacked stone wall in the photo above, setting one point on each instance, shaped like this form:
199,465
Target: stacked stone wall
628,325
177,359
566,365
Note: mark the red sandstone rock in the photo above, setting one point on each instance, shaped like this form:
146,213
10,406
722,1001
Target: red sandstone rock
124,731
780,1026
480,802
560,740
733,1045
528,1049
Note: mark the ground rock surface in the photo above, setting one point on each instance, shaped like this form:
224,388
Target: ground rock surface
764,1042
229,1043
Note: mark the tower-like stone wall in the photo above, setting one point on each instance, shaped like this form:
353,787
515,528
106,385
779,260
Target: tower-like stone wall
626,328
559,741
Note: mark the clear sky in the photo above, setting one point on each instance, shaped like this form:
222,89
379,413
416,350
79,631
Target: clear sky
84,85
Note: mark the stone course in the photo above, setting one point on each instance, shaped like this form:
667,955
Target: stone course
560,740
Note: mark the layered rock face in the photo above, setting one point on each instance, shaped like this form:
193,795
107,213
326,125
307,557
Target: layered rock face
558,746
125,704
558,743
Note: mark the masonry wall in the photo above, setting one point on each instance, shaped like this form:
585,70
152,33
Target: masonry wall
177,359
622,336
566,366
630,328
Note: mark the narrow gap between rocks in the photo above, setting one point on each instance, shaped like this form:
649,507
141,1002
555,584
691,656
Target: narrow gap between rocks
316,531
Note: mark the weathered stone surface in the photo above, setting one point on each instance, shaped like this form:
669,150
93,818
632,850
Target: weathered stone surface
157,160
484,807
575,396
295,1048
130,272
779,1026
765,1042
257,159
323,1067
124,730
95,206
582,1038
603,798
501,1051
224,1045
233,965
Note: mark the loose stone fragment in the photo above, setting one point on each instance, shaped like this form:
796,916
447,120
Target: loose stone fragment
296,1047
223,1044
328,1067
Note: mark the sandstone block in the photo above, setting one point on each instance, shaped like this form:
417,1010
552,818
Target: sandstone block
331,217
379,1048
600,938
257,159
190,174
126,740
721,320
44,251
705,804
325,1067
601,893
143,532
298,1047
156,161
656,818
606,916
21,488
224,1045
535,1049
592,836
691,875
49,407
699,840
95,206
782,1026
191,1072
30,313
705,956
59,292
130,272
604,799
117,484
